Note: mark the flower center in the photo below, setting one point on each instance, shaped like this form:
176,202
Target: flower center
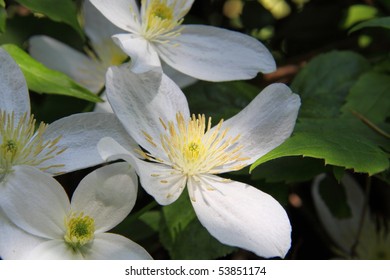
79,230
161,19
21,144
193,148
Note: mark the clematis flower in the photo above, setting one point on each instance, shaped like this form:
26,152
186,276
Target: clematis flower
65,145
89,69
76,229
181,150
373,242
204,52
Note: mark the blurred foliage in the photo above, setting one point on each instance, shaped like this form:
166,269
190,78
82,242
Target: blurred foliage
333,53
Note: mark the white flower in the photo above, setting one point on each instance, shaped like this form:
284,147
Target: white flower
352,239
65,145
89,69
181,150
38,204
204,52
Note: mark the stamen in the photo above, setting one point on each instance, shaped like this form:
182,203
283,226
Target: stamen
22,144
192,148
161,20
79,230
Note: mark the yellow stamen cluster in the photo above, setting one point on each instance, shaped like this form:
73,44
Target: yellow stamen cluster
20,143
161,19
193,149
80,230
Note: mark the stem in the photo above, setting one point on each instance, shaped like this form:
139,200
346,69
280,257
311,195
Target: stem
371,124
362,218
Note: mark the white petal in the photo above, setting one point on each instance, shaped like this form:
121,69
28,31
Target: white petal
13,87
35,202
122,13
182,80
107,195
97,27
14,242
159,180
343,231
141,101
109,246
54,250
215,54
265,123
80,134
240,215
143,55
103,107
58,56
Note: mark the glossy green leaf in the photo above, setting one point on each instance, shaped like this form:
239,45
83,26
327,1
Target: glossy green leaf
325,81
383,22
370,97
288,169
61,11
342,142
44,80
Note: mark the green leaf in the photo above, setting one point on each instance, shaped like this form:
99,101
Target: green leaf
370,97
2,3
3,19
219,100
342,142
326,80
289,170
383,22
44,80
62,11
194,242
184,237
358,13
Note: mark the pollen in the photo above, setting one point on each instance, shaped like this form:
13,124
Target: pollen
193,148
22,143
79,230
161,19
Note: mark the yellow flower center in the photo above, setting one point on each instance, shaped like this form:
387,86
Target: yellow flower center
161,19
79,230
20,143
193,149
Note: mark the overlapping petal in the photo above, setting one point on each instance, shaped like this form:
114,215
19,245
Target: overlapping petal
54,250
143,55
35,202
15,242
107,195
109,246
142,101
124,13
13,88
81,68
265,123
241,215
215,54
96,26
159,180
79,135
